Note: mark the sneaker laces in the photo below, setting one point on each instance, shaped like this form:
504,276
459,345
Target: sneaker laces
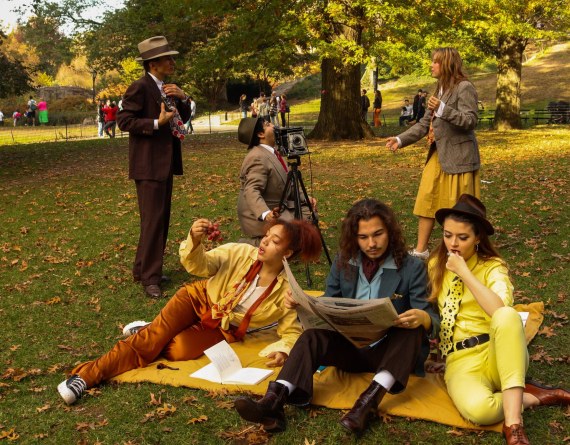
77,385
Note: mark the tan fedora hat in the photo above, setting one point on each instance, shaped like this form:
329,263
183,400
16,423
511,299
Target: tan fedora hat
153,48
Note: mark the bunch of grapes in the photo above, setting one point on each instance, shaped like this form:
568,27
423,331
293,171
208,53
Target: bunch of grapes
214,233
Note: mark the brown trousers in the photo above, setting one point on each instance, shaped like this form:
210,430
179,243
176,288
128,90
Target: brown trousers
154,199
397,353
175,334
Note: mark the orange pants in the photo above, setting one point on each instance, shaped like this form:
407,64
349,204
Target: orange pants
377,122
175,334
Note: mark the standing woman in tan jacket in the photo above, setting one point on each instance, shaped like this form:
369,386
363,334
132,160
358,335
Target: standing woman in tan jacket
452,165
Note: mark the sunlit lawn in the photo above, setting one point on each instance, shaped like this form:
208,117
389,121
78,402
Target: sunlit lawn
69,225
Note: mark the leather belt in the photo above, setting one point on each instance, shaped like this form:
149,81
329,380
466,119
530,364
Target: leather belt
471,342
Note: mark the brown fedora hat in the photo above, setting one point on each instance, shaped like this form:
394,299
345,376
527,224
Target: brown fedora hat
471,207
246,130
153,48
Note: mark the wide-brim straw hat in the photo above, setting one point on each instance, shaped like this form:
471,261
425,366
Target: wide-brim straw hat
246,130
153,48
471,207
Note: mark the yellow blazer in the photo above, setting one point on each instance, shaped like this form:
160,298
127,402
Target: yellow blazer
225,266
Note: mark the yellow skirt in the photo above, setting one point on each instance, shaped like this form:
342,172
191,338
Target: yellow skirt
441,190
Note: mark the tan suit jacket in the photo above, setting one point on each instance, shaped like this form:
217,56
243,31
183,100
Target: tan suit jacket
457,147
262,181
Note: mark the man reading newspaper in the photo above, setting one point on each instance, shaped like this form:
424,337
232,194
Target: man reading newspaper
372,264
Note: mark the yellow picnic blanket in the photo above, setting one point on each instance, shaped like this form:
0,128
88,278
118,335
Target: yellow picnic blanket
424,398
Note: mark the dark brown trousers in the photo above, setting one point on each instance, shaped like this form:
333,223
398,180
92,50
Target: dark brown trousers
396,353
154,198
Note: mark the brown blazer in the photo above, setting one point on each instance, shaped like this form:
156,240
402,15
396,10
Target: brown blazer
262,181
153,154
457,147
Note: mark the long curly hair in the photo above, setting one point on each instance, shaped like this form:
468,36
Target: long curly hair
451,67
438,258
365,210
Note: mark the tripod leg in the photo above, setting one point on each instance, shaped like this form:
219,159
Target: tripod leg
299,178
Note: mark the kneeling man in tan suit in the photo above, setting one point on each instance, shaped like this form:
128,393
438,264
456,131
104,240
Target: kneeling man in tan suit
263,177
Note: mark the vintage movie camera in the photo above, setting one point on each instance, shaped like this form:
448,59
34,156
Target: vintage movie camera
291,141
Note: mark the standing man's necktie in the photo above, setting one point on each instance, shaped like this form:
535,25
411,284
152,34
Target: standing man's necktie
176,125
448,314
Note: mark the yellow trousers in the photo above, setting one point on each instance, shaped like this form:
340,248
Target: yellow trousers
476,376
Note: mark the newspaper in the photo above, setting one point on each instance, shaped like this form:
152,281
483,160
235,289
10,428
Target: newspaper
362,322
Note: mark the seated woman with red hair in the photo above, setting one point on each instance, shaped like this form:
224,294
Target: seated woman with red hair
245,287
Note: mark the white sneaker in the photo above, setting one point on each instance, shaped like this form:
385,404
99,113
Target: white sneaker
72,389
421,255
133,327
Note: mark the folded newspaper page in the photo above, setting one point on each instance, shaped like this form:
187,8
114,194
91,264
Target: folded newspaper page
362,322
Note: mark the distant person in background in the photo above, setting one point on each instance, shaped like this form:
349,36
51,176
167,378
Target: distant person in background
377,105
31,113
422,106
416,104
1,119
364,106
16,115
110,110
100,118
243,105
42,112
273,109
406,114
283,109
264,110
453,161
254,107
189,126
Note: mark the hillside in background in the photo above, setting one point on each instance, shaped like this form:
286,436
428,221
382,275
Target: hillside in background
544,79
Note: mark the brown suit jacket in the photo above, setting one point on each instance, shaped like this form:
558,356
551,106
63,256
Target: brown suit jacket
262,180
153,154
457,147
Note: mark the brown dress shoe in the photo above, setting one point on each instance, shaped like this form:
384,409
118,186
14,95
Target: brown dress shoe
548,395
153,290
515,435
356,420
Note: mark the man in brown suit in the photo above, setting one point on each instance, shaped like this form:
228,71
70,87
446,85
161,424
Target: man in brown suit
263,177
154,154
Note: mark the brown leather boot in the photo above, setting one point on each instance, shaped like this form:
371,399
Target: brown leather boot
515,435
356,420
268,411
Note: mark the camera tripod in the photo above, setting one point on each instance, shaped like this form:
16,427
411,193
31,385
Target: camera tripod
295,186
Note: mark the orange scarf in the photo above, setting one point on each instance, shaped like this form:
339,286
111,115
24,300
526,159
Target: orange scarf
221,313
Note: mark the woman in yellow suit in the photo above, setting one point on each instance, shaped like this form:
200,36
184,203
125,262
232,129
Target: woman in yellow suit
481,335
246,287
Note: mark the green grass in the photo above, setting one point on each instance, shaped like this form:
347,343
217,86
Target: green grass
69,226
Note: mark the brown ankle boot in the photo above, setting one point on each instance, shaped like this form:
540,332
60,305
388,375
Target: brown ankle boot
356,420
515,435
268,411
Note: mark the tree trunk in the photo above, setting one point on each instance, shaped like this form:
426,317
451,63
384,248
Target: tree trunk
339,116
509,70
